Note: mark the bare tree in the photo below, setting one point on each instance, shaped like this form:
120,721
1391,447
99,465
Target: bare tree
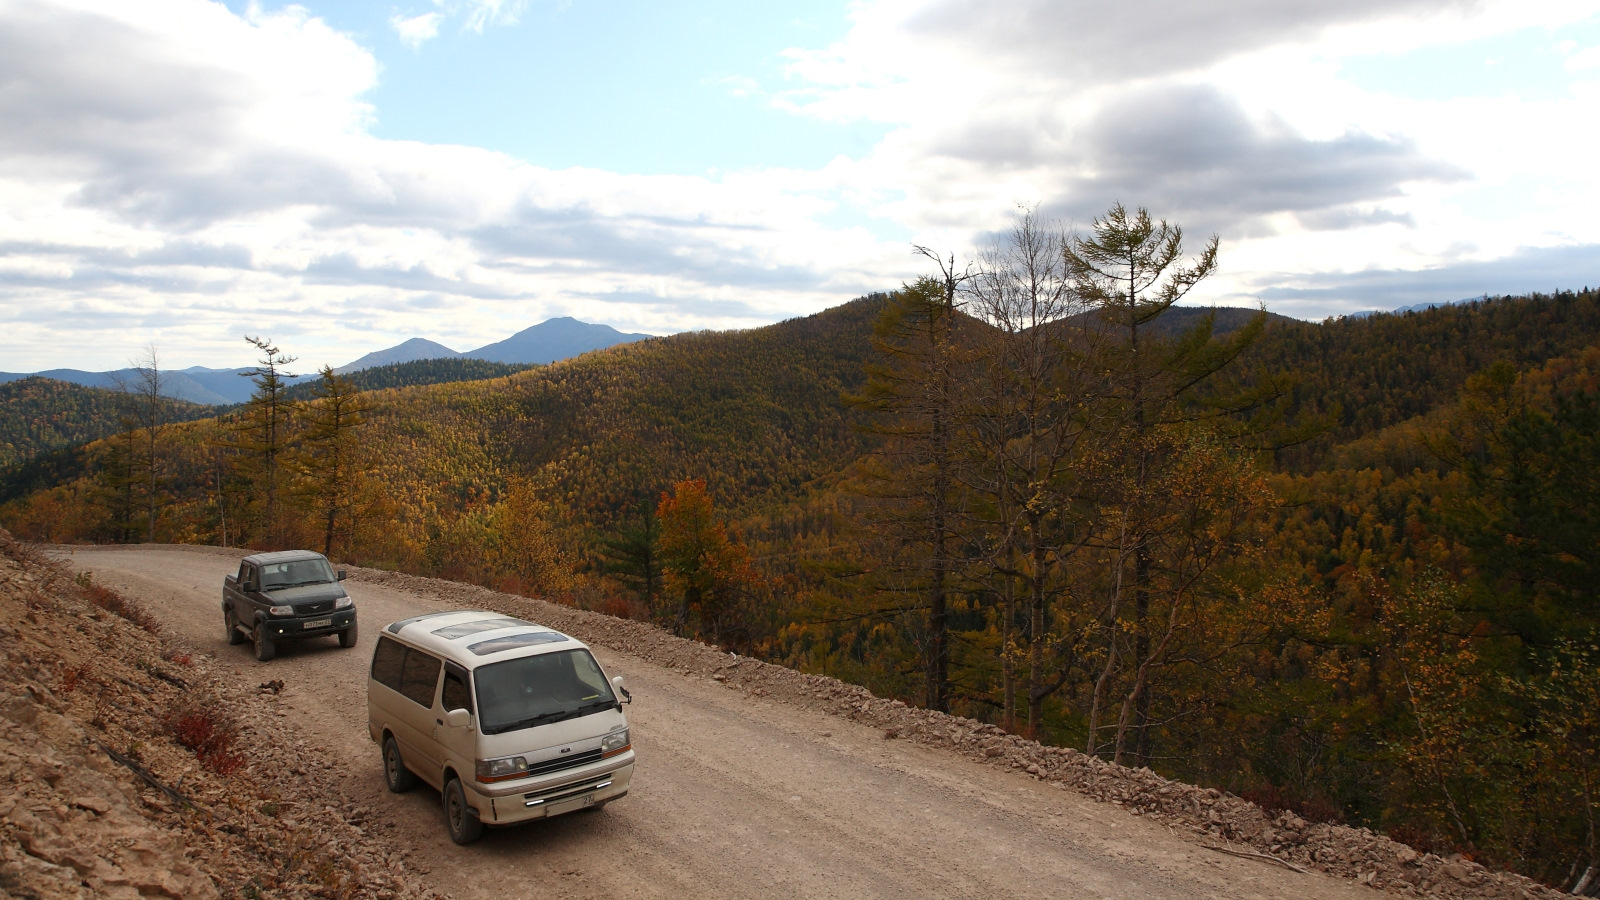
149,412
1029,414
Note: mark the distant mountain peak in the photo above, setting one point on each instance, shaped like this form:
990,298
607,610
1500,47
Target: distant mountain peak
406,351
552,340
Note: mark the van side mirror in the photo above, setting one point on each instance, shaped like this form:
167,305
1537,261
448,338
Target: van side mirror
616,682
458,718
341,574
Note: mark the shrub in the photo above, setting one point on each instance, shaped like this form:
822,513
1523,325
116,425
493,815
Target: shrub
210,737
115,603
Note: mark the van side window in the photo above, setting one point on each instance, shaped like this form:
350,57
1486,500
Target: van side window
244,569
456,695
419,677
387,662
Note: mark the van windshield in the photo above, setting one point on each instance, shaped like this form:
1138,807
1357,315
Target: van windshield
538,690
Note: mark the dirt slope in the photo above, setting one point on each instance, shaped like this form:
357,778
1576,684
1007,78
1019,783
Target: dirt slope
99,797
756,781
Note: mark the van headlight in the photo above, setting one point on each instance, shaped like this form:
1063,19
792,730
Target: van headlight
502,769
614,743
343,602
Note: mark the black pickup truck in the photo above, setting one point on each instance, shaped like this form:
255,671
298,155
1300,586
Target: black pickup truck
286,596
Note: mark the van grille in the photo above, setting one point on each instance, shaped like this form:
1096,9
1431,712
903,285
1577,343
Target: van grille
571,761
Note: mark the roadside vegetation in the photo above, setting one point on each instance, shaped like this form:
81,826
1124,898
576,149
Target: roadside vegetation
1339,568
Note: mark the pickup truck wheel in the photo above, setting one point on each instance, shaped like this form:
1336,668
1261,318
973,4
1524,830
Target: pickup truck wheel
395,774
347,637
231,623
265,648
464,827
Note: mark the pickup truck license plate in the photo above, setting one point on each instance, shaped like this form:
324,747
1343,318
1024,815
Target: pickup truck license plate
317,623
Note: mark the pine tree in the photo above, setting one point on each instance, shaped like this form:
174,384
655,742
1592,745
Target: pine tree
263,434
330,456
913,388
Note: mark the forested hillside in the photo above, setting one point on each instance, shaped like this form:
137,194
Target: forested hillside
1375,371
418,372
38,415
1375,645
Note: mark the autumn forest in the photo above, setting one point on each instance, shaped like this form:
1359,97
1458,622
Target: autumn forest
1342,567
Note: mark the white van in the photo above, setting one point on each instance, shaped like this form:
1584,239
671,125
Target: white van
509,720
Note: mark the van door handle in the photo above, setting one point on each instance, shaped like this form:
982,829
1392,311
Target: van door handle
438,721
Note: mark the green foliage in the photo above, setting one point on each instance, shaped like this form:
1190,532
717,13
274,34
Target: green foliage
1372,372
414,373
40,415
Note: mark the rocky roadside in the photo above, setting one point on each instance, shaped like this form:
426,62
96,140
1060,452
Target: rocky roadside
133,767
1216,820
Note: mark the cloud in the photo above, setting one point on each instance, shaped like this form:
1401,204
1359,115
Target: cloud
175,164
491,12
1136,39
414,31
1192,152
186,158
1527,270
1583,60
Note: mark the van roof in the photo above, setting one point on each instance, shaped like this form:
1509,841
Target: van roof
478,637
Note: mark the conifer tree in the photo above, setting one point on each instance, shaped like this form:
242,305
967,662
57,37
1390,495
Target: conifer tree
913,387
263,433
330,457
632,555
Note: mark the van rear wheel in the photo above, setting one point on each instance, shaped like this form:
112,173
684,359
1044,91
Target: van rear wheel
395,774
458,817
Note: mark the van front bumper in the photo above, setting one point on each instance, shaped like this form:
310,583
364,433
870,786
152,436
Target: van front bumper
552,797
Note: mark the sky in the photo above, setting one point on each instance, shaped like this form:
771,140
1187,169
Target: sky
340,176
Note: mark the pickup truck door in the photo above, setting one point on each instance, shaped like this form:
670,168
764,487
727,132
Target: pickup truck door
243,609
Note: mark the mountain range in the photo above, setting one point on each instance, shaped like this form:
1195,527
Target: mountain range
549,341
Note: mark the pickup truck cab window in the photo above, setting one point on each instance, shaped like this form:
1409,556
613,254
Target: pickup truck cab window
276,576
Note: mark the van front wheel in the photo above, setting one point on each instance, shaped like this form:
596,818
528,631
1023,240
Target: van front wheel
395,774
464,826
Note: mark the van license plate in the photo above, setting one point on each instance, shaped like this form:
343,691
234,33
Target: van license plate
318,623
566,806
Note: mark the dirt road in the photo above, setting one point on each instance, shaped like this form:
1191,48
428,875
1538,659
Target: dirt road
733,796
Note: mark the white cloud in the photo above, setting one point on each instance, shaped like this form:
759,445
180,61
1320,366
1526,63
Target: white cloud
185,174
414,31
491,12
172,171
1588,58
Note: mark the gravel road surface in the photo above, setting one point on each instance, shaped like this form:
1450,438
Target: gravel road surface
733,796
